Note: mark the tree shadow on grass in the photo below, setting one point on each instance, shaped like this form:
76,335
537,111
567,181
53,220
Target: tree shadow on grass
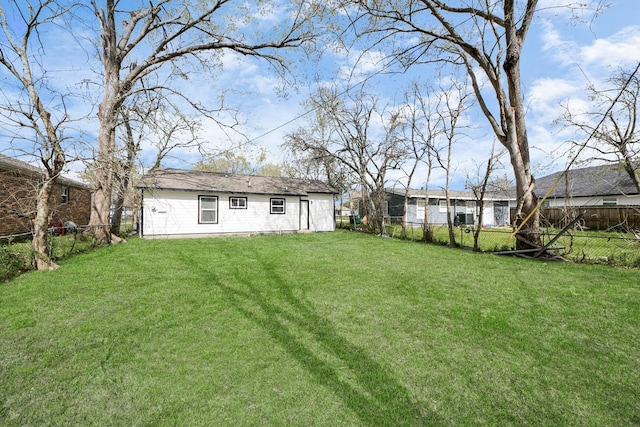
367,388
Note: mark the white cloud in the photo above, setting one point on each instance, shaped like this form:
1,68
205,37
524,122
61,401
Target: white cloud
555,45
620,49
546,97
548,90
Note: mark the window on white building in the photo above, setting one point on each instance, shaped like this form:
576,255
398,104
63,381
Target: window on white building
208,210
278,206
237,203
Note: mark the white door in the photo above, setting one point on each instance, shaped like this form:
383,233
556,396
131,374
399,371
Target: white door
304,214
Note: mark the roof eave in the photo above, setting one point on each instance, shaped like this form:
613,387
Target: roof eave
210,190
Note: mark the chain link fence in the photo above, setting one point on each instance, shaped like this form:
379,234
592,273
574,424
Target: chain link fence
615,248
619,247
16,251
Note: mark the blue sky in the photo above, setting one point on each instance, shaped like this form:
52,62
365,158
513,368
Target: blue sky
561,56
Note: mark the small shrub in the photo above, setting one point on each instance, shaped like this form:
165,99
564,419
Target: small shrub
12,264
497,247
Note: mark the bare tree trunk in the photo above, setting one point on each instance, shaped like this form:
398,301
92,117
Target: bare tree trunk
116,218
124,175
37,118
40,225
630,166
427,231
120,200
450,223
517,141
403,231
480,190
99,223
379,208
453,106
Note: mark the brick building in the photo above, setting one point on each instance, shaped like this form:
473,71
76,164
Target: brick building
19,182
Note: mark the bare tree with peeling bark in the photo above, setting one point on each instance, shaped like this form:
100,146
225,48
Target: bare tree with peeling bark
486,39
138,43
34,112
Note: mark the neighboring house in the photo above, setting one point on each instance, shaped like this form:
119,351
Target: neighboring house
343,210
183,203
604,195
605,185
19,183
464,208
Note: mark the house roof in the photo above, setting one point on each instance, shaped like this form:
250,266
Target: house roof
14,165
191,180
603,180
440,194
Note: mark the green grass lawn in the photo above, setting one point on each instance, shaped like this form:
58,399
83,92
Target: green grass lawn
327,329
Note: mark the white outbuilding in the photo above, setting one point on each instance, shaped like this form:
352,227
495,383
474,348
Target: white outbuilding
188,203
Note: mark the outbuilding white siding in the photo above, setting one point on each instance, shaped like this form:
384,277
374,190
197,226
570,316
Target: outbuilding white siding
176,213
321,212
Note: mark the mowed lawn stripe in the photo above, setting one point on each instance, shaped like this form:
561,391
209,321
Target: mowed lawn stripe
318,329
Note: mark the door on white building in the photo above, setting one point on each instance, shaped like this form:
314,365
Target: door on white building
304,214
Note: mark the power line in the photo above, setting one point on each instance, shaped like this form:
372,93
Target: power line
348,89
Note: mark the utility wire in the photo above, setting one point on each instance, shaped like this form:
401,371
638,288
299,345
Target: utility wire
348,89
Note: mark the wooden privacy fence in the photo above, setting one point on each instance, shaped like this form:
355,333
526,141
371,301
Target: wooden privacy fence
595,217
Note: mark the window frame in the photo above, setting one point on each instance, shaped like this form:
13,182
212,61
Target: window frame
231,206
200,210
65,194
272,206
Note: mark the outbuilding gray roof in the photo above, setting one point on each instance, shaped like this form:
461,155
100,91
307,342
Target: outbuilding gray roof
603,180
191,180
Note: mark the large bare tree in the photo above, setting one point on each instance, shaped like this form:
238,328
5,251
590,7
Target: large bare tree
362,137
486,38
453,102
422,128
33,110
163,36
153,119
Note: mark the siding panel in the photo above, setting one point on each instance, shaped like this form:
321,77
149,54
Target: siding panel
174,213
